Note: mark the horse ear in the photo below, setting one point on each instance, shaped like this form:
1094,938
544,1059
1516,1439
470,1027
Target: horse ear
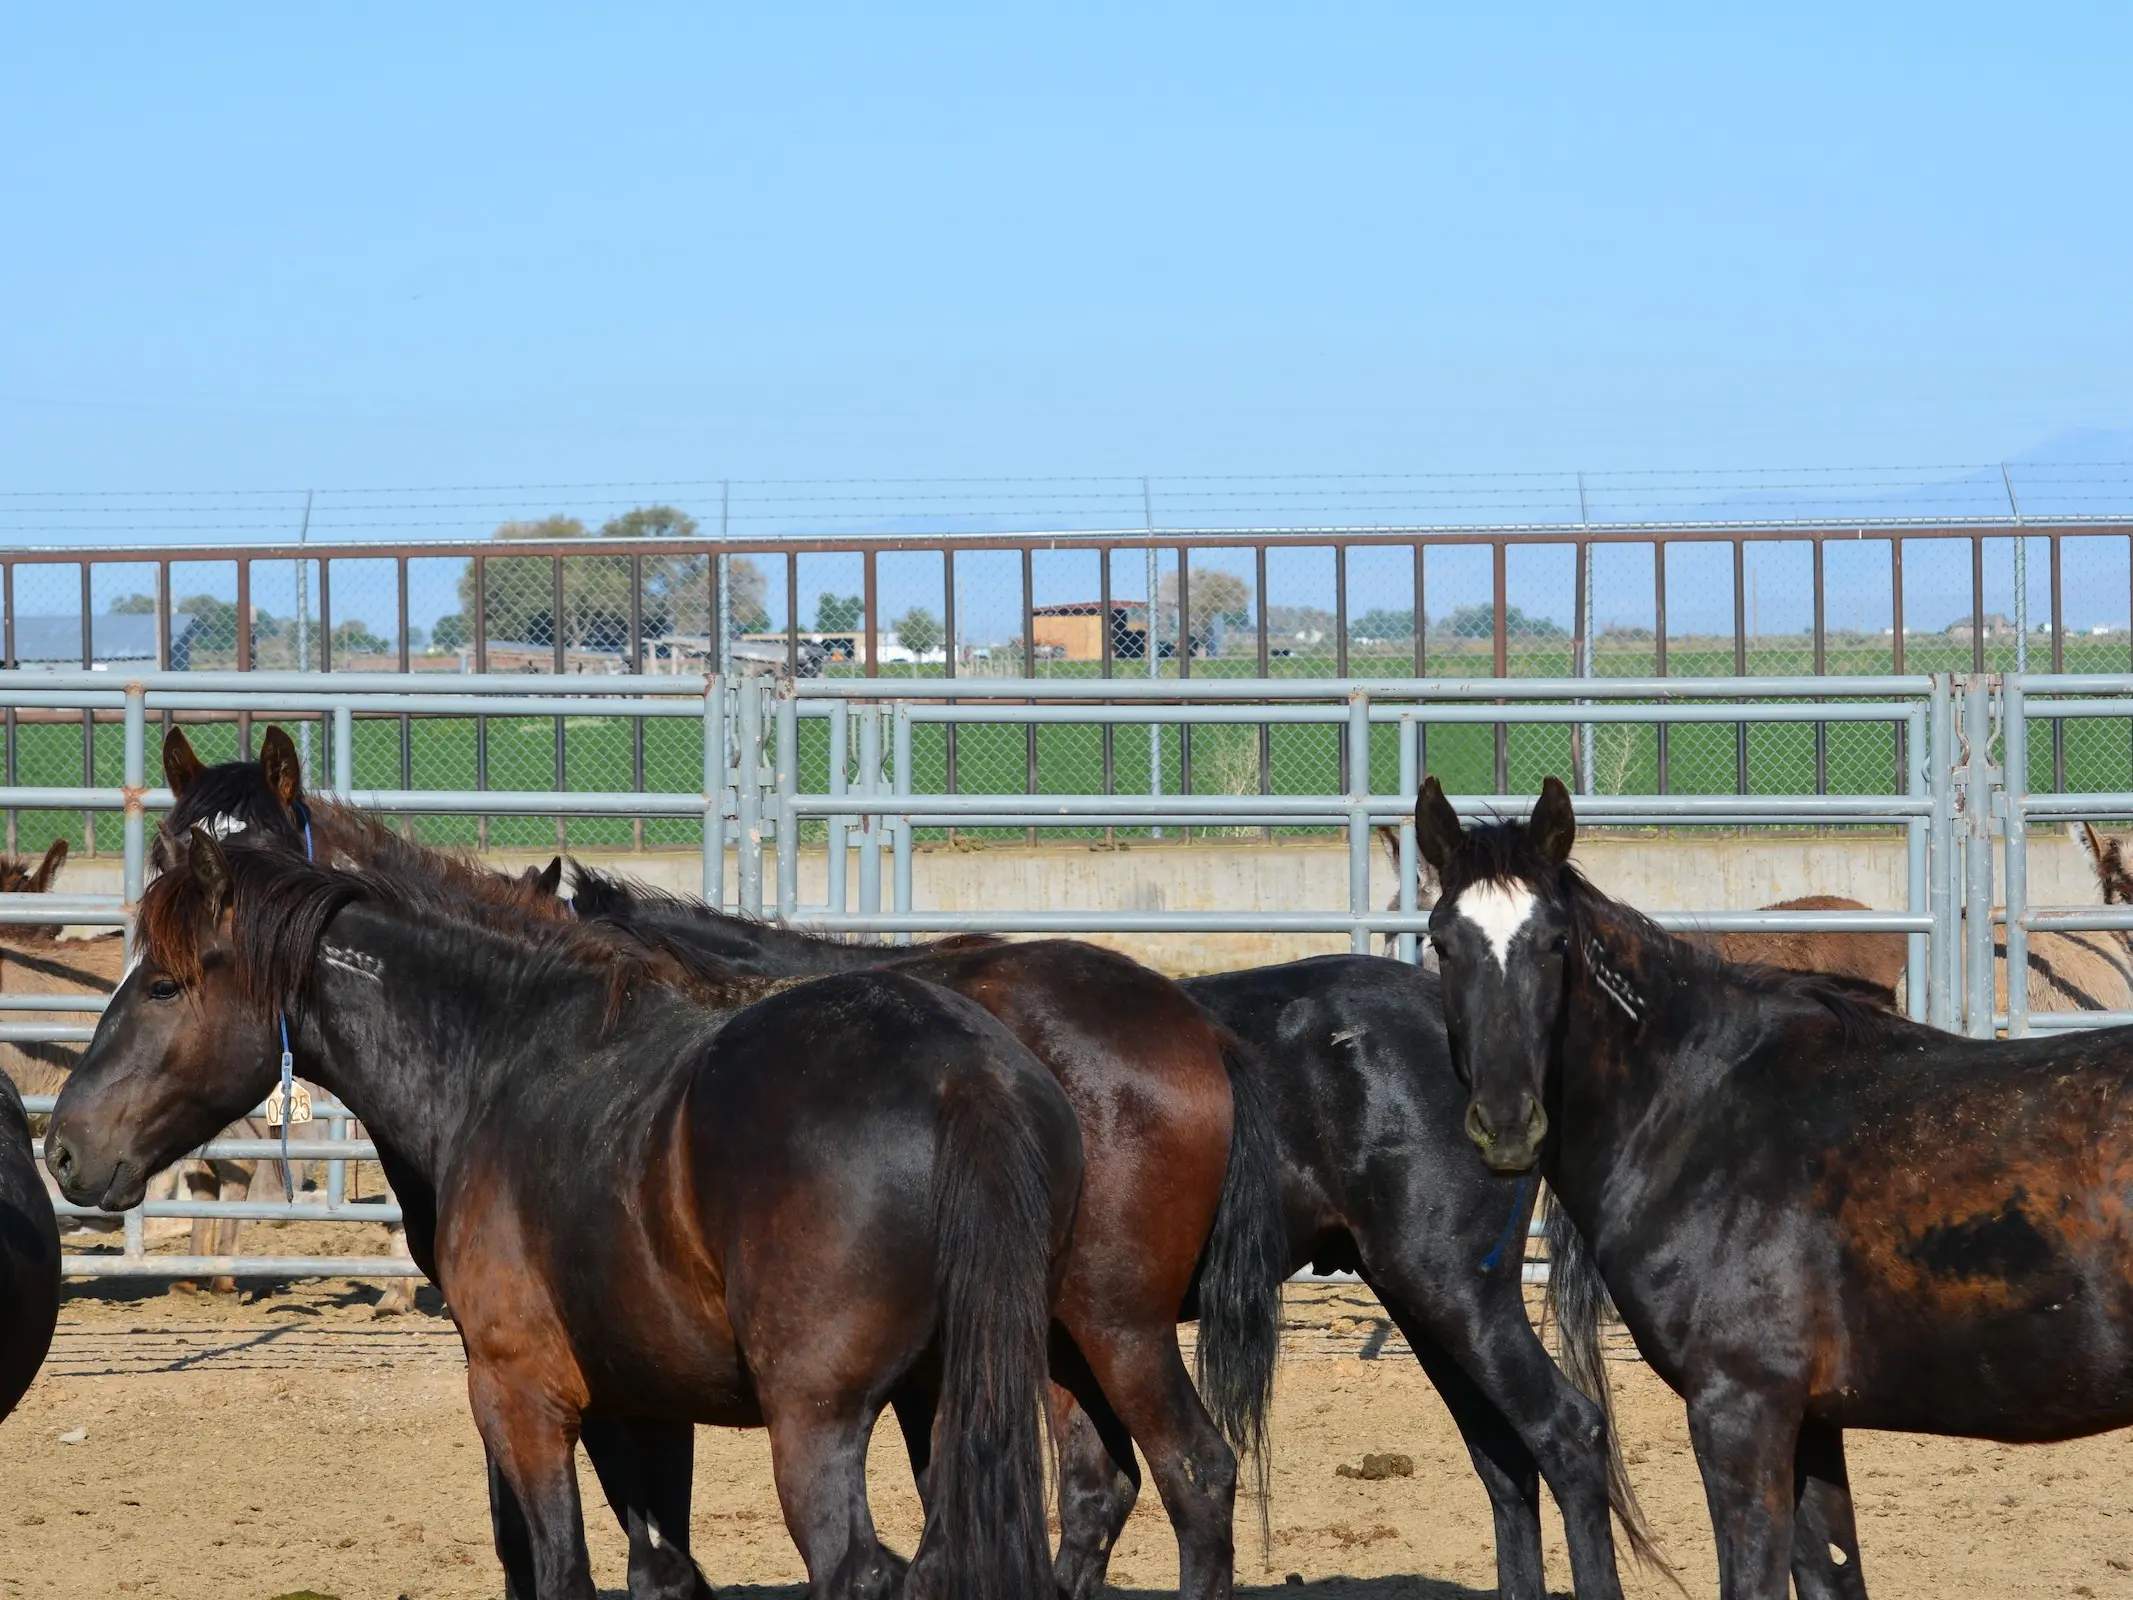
210,870
180,765
1437,828
54,859
1554,828
279,765
550,877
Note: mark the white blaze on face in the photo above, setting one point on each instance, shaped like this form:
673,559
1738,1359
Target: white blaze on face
1499,910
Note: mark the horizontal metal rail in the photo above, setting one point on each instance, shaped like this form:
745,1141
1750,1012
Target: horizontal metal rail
88,1265
750,796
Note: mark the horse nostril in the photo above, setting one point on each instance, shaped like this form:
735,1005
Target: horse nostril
59,1159
1478,1127
1536,1121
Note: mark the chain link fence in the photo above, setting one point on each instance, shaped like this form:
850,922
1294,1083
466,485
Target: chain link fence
1451,603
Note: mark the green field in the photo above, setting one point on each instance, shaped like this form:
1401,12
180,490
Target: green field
599,752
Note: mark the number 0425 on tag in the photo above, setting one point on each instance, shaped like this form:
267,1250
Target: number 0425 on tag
299,1107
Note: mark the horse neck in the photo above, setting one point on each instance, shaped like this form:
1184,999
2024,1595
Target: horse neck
412,1026
1615,1076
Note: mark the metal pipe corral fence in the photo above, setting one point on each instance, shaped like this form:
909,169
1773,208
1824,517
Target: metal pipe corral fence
834,763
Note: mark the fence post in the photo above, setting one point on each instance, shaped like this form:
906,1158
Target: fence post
2014,824
748,765
1359,816
1918,869
714,831
135,828
1410,781
900,779
870,824
839,863
344,749
1946,983
1977,856
787,781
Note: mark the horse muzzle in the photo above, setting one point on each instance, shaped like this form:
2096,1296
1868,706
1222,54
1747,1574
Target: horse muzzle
118,1187
1511,1147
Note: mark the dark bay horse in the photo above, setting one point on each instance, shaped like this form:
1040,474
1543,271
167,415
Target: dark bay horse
1813,1214
29,1255
1348,1054
1179,1203
788,1211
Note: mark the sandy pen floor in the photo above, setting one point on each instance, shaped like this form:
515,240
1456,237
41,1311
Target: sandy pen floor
292,1442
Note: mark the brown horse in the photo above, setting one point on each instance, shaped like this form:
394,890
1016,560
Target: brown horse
1180,1208
790,1209
1875,961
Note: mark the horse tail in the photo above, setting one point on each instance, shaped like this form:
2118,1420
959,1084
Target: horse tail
1241,1269
994,1242
1576,1301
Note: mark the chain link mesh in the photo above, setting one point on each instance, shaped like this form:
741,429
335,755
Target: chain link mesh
1294,609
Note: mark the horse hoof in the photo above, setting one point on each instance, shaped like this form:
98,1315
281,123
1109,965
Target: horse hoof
223,1286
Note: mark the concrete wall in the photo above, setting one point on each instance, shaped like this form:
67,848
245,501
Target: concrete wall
1655,874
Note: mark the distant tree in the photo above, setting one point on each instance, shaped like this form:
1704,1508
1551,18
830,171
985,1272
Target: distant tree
1479,622
1216,594
1379,623
134,605
677,592
839,613
417,636
353,638
214,622
919,631
452,632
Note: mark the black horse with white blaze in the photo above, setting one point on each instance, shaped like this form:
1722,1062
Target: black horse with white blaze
1814,1215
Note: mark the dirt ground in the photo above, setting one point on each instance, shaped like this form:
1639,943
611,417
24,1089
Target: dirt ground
290,1441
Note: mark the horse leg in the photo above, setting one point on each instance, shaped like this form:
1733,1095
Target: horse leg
818,1457
1099,1480
915,1401
1505,1466
1825,1540
230,1180
534,1507
646,1471
1516,1411
399,1296
1745,1441
513,1539
1143,1377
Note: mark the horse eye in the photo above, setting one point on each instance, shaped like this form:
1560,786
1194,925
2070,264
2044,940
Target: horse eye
164,989
1562,944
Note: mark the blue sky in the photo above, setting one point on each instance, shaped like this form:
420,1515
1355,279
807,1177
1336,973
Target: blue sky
253,248
271,247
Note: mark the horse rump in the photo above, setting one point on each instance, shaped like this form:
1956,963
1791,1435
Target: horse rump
997,1237
29,1256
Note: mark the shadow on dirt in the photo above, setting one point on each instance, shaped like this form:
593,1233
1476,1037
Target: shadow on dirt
1402,1588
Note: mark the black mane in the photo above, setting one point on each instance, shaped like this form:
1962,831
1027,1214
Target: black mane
281,905
1495,852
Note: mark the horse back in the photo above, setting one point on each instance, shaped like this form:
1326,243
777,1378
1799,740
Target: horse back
1916,1233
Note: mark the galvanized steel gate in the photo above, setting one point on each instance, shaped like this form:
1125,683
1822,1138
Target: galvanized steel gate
1964,824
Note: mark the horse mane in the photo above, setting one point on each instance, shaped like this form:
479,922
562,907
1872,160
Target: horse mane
1504,852
279,909
613,897
281,904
